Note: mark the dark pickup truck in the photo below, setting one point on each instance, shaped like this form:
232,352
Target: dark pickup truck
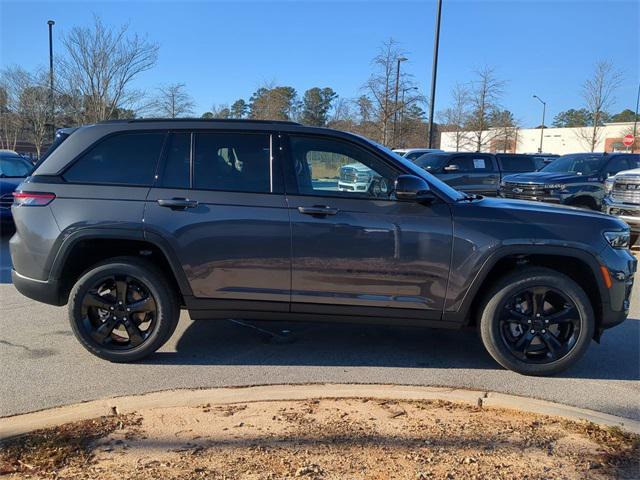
577,179
478,173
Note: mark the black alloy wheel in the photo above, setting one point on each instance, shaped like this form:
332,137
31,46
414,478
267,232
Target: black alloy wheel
539,324
119,312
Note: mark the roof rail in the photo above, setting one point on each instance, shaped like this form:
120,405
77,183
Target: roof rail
204,120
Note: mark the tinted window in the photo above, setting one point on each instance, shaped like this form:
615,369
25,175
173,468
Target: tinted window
175,173
413,155
431,161
617,164
471,163
582,164
518,163
238,162
14,166
330,167
124,159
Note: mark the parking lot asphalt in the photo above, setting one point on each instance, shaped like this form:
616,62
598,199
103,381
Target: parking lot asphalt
42,365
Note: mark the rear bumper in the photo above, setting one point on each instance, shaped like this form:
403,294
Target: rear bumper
40,290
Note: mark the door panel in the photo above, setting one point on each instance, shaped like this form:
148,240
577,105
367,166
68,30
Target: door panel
231,245
371,253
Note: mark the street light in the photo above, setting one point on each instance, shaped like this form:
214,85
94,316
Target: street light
434,72
544,110
51,23
395,105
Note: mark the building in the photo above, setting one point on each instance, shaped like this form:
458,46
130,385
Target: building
555,140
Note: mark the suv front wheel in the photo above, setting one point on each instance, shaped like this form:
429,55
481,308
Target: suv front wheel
123,309
536,321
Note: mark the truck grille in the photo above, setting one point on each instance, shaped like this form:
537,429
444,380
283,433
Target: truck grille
6,200
523,191
348,175
626,189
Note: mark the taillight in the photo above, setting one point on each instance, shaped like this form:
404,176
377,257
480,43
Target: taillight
32,199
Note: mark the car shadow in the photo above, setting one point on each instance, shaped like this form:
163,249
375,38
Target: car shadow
349,345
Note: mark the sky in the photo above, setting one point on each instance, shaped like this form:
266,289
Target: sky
225,50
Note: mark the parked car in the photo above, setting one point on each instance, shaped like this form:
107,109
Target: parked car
413,153
478,173
13,169
576,179
127,222
623,199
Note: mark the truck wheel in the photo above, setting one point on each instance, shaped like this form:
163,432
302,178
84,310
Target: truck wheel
123,309
536,321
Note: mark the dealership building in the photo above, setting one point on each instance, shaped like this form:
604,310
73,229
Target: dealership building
554,140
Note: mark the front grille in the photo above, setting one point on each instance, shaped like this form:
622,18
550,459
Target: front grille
6,200
626,190
522,190
348,175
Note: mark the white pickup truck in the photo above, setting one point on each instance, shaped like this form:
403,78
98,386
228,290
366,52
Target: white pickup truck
623,199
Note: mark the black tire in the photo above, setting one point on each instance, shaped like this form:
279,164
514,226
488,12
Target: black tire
144,275
493,327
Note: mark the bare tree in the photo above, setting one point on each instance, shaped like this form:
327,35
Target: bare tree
9,119
486,92
454,118
381,85
27,106
173,101
598,95
505,128
99,65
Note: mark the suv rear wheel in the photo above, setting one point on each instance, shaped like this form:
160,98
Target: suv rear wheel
123,309
536,321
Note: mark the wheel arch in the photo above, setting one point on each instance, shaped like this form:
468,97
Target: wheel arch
86,247
579,265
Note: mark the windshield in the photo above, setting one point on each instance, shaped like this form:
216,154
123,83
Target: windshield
580,164
415,170
431,161
14,166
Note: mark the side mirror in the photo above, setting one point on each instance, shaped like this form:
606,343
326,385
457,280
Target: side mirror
416,189
451,168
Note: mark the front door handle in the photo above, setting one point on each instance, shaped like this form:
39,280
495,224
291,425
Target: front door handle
178,203
318,210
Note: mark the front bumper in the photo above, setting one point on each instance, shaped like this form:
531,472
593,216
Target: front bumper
44,291
628,212
621,266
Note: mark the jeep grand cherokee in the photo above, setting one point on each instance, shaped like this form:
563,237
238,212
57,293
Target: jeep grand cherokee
127,222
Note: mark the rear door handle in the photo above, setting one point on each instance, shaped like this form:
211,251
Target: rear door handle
318,210
178,203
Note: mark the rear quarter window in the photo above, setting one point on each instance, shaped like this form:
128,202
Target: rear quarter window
519,163
122,159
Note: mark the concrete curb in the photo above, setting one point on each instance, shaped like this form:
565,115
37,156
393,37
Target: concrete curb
28,422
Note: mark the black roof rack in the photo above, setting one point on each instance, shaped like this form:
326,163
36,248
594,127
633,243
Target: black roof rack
204,120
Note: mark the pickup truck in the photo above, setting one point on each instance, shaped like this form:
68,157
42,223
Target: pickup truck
623,199
577,179
479,173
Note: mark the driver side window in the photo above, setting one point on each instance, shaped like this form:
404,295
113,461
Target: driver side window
329,167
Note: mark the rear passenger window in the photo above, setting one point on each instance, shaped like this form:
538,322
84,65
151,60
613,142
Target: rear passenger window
237,162
175,173
517,163
124,159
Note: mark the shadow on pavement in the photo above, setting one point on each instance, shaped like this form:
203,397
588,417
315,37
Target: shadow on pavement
224,343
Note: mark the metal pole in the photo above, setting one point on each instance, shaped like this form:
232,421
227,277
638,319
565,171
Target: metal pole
635,122
395,105
434,72
544,111
51,23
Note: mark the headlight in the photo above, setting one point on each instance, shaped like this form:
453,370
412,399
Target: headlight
555,186
618,239
608,185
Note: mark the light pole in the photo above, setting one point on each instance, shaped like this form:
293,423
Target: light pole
635,122
51,23
395,105
401,142
434,72
544,111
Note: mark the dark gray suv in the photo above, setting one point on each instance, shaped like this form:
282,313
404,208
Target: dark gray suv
130,221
